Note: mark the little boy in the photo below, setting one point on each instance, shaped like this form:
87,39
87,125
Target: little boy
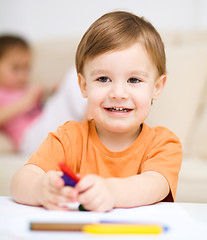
122,162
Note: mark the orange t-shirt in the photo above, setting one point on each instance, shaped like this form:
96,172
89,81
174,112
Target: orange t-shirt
77,144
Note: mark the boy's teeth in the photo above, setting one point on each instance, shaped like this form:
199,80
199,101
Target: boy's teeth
119,109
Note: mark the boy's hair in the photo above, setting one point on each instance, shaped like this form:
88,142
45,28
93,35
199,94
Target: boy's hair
8,42
118,30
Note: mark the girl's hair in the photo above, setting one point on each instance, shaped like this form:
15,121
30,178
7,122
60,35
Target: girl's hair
8,42
118,30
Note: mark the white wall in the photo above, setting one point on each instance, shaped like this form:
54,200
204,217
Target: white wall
42,19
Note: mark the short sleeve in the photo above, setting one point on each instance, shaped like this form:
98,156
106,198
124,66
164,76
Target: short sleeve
51,152
164,156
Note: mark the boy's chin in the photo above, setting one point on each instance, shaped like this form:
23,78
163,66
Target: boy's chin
121,128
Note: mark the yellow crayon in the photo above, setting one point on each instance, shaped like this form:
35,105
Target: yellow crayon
106,228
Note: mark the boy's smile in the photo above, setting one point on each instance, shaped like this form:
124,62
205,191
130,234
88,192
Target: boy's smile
119,86
118,109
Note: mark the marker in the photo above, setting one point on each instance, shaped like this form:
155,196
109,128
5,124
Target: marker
70,179
107,228
99,228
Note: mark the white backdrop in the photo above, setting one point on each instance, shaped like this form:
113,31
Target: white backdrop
43,19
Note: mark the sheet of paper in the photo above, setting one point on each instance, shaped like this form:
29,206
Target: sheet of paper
15,220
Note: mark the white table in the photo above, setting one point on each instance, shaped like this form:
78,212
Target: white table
185,221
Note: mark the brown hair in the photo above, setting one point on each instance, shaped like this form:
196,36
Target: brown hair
8,42
118,30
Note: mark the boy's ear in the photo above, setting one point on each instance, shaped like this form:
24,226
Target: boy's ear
159,85
82,84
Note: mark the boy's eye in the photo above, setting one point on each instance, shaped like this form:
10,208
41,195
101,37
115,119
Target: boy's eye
103,79
133,80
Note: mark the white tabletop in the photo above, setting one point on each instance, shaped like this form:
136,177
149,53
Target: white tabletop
184,220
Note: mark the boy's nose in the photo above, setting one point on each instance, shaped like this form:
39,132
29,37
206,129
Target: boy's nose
119,91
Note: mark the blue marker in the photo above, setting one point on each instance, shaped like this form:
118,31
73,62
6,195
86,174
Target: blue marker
70,179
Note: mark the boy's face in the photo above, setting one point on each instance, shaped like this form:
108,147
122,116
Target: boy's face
14,68
120,86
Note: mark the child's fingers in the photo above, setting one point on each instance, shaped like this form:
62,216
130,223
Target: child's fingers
52,198
91,202
57,198
89,195
70,193
55,181
64,194
86,183
56,192
96,195
86,197
52,206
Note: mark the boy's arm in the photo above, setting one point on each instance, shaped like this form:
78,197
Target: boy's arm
101,194
23,185
143,189
32,186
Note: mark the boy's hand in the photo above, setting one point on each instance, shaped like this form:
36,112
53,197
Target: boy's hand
51,192
95,193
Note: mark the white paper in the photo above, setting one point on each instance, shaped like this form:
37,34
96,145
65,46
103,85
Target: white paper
15,221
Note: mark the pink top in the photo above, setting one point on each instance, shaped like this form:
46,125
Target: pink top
16,127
